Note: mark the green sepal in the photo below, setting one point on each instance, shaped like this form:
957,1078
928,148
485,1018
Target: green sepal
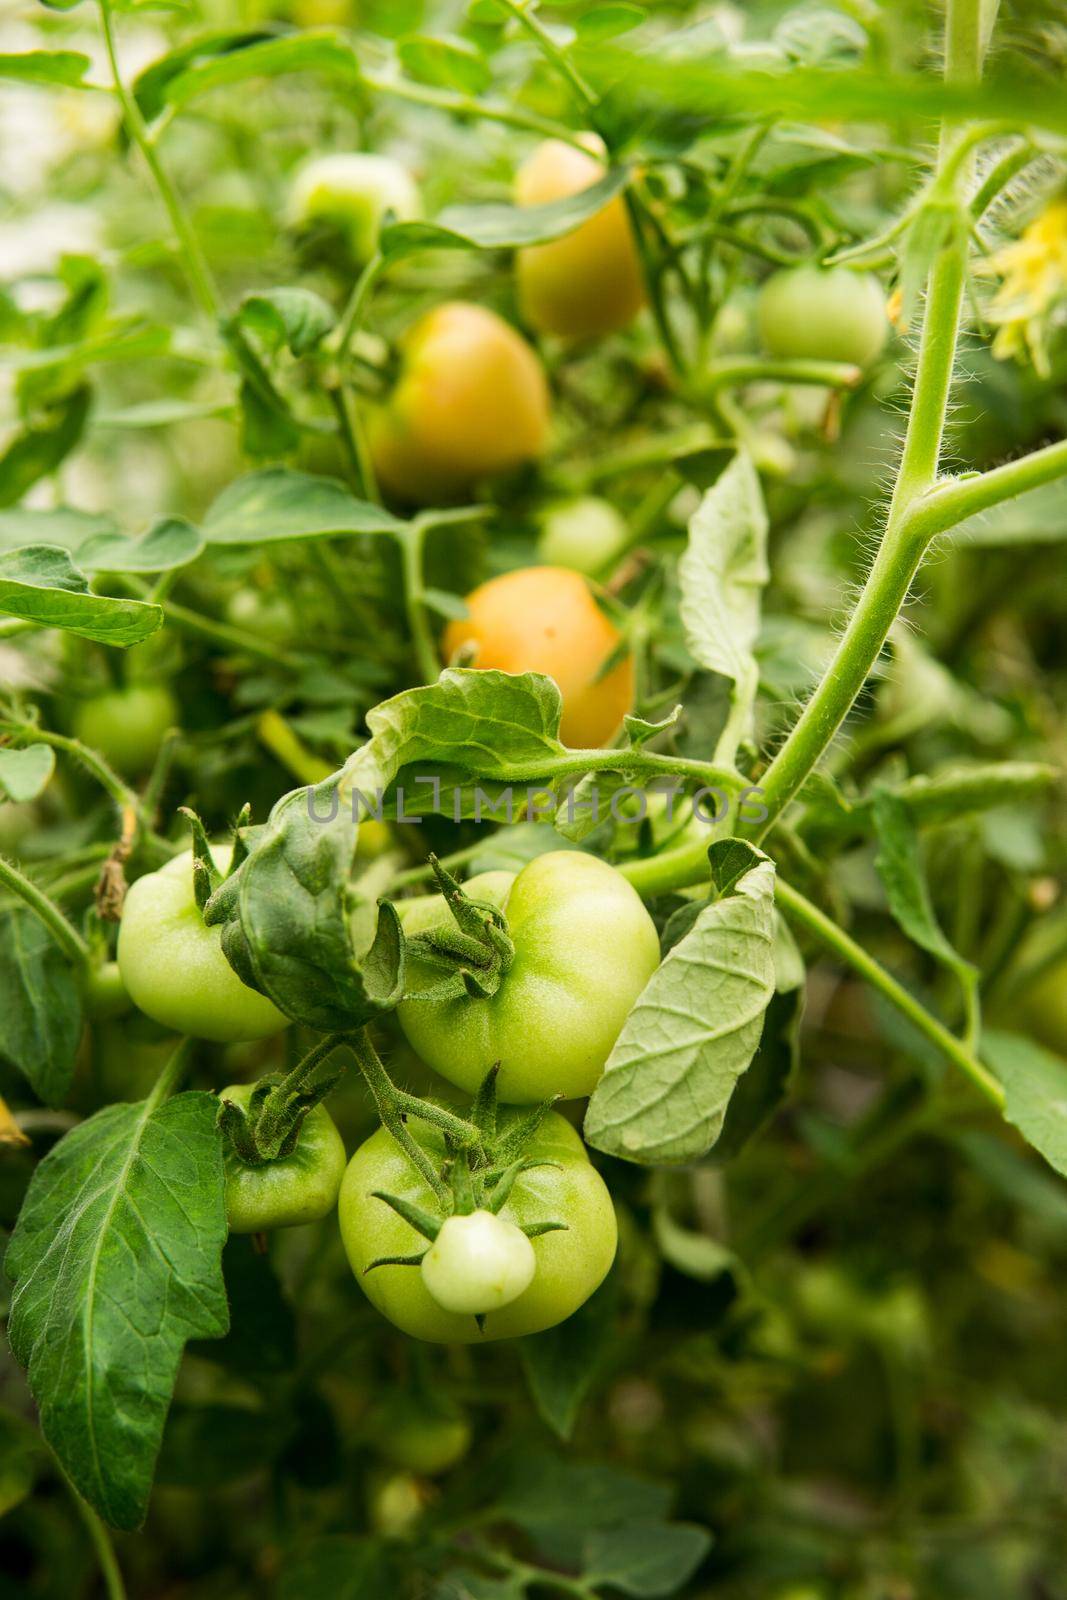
394,1261
429,1226
484,1104
534,1230
206,875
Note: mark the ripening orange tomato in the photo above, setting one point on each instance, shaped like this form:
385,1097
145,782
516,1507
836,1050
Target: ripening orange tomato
589,281
471,401
546,619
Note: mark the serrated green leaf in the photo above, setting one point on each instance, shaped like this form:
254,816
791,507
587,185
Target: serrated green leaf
1035,1086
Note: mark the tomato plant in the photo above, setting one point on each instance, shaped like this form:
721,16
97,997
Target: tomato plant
572,494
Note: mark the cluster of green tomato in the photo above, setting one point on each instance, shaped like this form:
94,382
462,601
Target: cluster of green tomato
584,947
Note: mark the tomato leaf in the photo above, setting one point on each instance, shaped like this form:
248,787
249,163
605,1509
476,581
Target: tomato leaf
503,227
24,773
296,318
646,1559
169,543
45,66
900,867
562,1364
694,1030
41,584
63,526
722,575
280,504
43,444
1035,1083
116,1263
42,1016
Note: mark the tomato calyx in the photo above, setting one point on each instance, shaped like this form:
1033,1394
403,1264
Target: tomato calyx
475,1179
476,954
268,1127
206,875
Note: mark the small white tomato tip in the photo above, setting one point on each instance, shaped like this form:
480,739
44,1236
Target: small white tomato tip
477,1264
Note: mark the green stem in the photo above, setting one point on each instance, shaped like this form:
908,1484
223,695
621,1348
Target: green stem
821,927
948,504
64,933
758,369
653,283
394,1106
412,543
218,632
352,316
551,51
193,259
456,105
903,545
100,1539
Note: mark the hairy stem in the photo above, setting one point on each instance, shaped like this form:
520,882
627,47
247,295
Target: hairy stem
64,933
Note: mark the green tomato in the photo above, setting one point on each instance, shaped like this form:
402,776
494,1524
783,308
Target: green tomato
420,1435
478,1263
301,1187
584,949
586,535
823,314
568,1264
105,993
126,726
352,191
174,968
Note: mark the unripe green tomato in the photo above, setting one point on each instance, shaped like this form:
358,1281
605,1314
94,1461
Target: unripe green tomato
471,401
570,1263
589,281
420,1435
586,534
126,726
823,314
584,949
268,616
478,1263
352,191
105,993
301,1187
173,965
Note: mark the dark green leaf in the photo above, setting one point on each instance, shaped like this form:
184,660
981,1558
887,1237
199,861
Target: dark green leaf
116,1263
41,1021
42,445
562,1364
645,1560
297,318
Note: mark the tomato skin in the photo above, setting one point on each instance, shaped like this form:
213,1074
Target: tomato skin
352,191
588,282
420,1435
586,535
472,401
173,966
545,619
570,1264
126,726
584,949
301,1187
823,314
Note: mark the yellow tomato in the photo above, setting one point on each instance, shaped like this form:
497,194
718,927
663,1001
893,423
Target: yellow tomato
471,401
545,619
589,281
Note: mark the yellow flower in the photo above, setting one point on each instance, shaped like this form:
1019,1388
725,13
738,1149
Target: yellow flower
1034,272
